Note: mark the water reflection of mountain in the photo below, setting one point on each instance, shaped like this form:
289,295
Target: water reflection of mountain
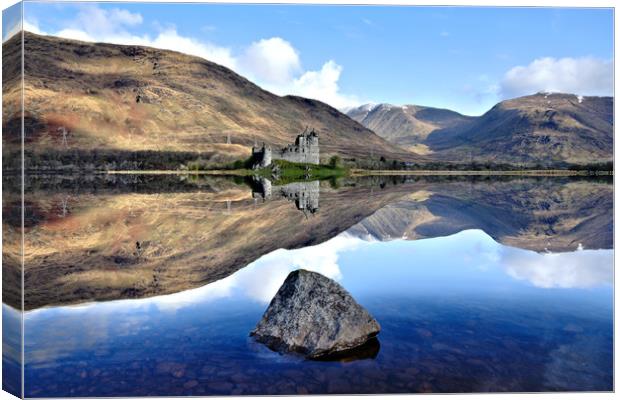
543,215
117,243
137,237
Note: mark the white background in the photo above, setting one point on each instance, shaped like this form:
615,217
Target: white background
532,3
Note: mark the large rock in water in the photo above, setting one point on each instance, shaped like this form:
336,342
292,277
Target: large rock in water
314,316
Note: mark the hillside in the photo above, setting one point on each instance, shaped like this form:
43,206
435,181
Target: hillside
542,128
407,126
84,97
547,129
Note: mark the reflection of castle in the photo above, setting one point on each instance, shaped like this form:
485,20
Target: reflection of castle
305,150
261,188
304,194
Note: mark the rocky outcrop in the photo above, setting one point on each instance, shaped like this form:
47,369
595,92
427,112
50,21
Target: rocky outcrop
314,316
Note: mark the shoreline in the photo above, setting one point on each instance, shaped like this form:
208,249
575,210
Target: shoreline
221,172
558,172
360,172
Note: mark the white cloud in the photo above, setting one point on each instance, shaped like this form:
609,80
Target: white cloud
321,85
275,65
33,26
11,30
580,76
125,17
315,83
171,40
580,269
272,63
261,280
75,34
272,60
94,24
96,21
585,76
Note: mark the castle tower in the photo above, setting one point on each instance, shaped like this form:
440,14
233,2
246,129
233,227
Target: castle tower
313,147
266,156
262,156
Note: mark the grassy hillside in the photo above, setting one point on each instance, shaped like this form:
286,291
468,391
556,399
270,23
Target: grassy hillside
548,130
541,129
82,97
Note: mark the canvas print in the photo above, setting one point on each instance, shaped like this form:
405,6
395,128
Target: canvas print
298,199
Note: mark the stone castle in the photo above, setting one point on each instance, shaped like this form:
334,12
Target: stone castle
305,150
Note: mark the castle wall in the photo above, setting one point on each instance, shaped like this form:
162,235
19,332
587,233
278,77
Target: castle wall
305,150
267,156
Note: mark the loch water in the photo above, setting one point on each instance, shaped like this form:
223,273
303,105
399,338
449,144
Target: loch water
479,285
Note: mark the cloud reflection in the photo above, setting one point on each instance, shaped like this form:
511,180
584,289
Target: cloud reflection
579,269
260,280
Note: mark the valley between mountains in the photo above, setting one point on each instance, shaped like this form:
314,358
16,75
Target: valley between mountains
546,129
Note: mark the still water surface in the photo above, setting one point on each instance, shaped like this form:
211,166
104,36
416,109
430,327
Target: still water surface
459,313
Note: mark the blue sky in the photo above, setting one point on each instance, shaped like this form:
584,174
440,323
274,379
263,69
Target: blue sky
461,58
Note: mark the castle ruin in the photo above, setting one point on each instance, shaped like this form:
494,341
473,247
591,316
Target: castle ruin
304,150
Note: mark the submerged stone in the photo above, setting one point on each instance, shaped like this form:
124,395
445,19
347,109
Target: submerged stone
316,317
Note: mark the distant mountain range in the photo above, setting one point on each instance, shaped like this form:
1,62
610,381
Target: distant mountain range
544,128
407,126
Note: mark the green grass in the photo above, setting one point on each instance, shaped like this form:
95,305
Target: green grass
293,172
288,171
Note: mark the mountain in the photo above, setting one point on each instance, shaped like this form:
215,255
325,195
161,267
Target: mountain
407,126
110,98
545,128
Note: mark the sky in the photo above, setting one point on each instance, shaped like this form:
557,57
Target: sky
461,58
